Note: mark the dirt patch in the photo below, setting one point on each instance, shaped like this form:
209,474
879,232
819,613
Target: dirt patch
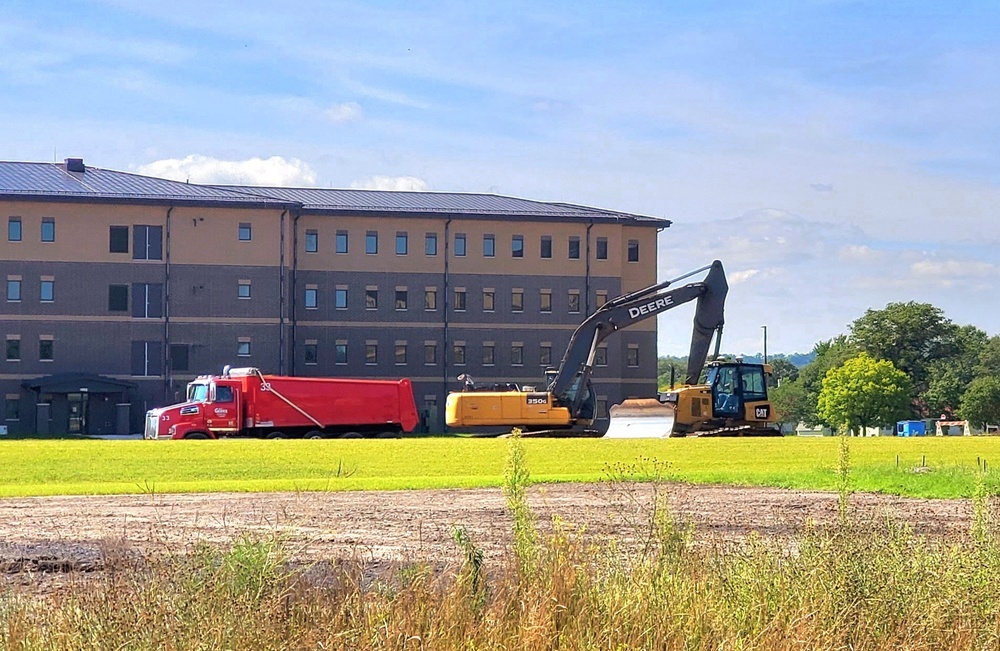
60,535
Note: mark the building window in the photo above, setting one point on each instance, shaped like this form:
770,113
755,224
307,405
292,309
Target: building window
13,289
310,353
117,298
458,354
13,350
601,356
243,347
460,244
574,248
402,243
371,298
488,300
430,298
340,353
14,229
340,298
545,300
47,291
489,353
517,246
371,353
118,239
147,358
179,357
341,242
545,355
243,289
602,298
147,242
632,355
459,300
517,355
45,350
602,248
401,299
517,300
244,232
431,244
400,353
546,247
633,250
574,302
312,298
489,246
48,229
430,353
312,241
602,408
147,300
13,411
371,242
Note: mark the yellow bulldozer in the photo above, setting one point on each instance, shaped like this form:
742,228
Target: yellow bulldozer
733,401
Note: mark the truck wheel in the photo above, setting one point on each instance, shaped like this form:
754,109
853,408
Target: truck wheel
196,435
387,435
315,434
350,435
276,435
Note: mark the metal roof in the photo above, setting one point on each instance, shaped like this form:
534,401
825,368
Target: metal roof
54,180
385,201
58,181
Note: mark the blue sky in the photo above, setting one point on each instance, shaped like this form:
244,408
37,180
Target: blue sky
836,156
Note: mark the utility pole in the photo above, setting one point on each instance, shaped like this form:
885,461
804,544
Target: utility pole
764,327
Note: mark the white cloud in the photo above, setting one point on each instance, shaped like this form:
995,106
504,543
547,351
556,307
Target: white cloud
742,276
346,112
954,269
276,171
399,183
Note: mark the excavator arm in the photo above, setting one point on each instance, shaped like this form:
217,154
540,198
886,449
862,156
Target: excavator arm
570,384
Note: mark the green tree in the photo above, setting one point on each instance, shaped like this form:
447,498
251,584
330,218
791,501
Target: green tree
989,357
792,403
948,377
864,392
910,335
828,354
782,371
981,401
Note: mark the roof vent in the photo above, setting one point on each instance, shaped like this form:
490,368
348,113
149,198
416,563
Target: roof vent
75,165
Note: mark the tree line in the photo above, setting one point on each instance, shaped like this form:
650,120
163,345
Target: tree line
904,361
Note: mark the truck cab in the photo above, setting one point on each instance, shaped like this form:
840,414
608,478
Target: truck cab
213,408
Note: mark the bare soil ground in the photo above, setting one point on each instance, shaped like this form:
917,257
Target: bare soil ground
43,539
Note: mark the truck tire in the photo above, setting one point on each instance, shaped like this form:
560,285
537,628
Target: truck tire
387,435
351,435
200,436
315,434
276,435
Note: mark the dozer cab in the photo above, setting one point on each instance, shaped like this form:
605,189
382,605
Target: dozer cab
566,405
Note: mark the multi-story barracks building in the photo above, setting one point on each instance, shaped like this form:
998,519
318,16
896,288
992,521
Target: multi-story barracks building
119,289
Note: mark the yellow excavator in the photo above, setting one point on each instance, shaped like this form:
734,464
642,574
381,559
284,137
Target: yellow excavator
733,402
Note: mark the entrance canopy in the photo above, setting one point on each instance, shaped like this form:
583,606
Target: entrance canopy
77,383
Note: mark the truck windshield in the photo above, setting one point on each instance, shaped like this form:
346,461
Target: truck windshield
197,392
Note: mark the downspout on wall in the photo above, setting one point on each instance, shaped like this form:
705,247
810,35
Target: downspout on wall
445,323
586,281
165,356
282,343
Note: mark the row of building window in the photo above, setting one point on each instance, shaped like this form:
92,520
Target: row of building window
46,289
147,298
147,242
460,302
146,354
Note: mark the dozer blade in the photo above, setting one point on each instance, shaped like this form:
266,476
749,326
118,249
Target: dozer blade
642,418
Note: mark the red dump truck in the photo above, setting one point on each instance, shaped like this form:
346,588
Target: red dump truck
245,402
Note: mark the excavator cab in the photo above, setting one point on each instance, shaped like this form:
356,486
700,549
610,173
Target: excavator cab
734,385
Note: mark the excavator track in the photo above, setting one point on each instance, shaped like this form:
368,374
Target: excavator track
743,430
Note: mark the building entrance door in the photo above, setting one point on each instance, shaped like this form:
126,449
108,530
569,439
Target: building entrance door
77,412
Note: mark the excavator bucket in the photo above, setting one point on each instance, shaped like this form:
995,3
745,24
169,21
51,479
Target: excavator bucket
641,418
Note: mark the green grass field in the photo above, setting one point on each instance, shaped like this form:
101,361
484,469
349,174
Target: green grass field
927,467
